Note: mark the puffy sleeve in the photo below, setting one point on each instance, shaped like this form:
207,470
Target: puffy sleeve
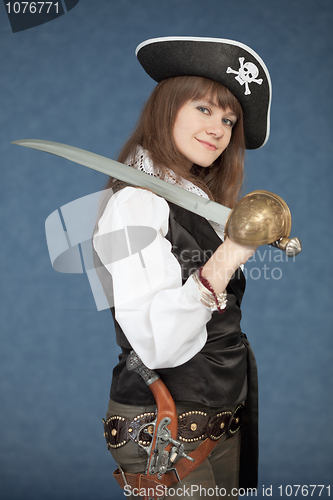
163,320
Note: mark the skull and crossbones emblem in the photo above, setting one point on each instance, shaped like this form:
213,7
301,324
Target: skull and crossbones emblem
246,74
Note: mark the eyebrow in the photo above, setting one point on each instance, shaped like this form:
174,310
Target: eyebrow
208,101
215,104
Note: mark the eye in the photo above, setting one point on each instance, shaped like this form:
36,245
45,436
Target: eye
228,122
204,110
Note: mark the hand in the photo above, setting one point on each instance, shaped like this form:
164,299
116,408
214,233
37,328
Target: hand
237,254
224,262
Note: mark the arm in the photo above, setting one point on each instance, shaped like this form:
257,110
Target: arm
151,304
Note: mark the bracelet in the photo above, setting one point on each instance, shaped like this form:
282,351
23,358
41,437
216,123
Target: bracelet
215,302
220,298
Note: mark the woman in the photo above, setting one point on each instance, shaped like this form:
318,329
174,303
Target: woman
177,300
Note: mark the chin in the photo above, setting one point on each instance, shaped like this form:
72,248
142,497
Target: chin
204,164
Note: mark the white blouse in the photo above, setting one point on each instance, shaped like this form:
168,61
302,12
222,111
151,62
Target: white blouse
163,320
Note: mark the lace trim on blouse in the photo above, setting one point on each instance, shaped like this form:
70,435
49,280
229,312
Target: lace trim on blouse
144,163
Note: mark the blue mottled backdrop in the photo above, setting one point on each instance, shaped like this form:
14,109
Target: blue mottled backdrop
76,80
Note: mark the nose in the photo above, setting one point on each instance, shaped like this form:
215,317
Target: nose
215,128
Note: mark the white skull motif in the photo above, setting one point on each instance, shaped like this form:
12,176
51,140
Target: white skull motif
246,74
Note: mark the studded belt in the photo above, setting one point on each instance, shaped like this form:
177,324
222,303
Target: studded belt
192,426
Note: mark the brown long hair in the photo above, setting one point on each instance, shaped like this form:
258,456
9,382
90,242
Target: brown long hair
154,132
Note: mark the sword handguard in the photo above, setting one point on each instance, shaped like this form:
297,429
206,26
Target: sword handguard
262,218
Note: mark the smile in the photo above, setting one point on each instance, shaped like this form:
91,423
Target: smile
207,145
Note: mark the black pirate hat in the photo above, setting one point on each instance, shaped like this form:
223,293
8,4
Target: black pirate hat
230,63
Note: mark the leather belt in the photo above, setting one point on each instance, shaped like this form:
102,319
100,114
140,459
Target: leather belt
192,426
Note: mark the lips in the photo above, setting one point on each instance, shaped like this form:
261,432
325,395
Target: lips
207,145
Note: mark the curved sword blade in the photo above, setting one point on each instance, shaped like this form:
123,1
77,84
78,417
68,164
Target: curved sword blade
206,208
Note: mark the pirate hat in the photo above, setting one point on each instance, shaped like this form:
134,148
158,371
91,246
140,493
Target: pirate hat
230,63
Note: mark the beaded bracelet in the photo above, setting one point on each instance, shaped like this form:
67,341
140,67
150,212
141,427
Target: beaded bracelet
215,302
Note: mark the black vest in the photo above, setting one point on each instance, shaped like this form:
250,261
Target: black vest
217,375
224,372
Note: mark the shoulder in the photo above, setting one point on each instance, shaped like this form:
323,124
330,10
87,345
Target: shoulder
131,194
136,206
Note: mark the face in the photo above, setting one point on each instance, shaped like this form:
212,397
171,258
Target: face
202,131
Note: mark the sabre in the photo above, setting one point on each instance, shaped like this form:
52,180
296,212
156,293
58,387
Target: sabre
201,206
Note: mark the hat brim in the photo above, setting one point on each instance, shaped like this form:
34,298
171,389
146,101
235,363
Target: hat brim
228,62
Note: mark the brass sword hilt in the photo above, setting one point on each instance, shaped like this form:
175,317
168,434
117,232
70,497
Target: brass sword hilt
262,218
